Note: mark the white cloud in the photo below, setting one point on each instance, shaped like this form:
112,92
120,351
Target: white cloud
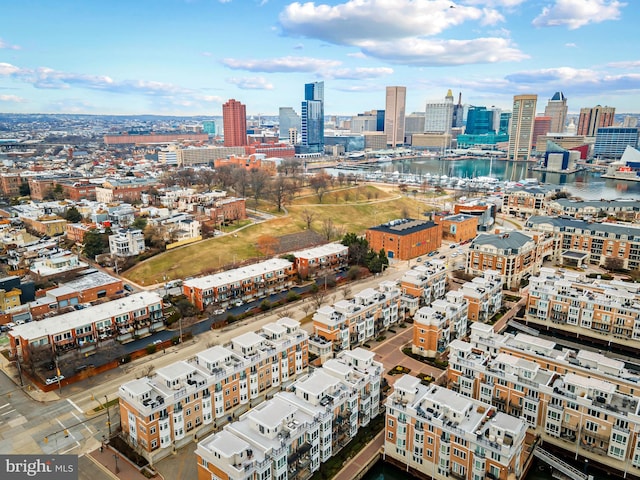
357,73
629,64
207,54
8,46
571,45
7,69
419,52
251,83
282,64
363,20
356,55
12,99
582,81
577,13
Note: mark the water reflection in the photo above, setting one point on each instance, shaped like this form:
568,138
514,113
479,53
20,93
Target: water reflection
586,185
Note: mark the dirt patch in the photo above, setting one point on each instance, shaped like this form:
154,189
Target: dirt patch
298,241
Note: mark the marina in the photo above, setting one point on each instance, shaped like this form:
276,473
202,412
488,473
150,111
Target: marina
484,174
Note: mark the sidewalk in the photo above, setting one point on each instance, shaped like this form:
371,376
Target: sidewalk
370,454
107,460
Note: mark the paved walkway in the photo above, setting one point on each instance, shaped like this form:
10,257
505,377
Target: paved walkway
115,465
353,469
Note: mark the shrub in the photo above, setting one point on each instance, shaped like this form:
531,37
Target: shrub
265,305
150,349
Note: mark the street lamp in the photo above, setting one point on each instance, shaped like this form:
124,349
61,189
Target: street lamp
116,457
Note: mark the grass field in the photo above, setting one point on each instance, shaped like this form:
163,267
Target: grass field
369,206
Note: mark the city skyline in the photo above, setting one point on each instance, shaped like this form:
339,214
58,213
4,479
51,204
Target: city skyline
188,57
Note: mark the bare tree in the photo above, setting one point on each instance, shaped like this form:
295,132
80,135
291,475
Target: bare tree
280,189
318,297
346,292
240,181
258,180
306,307
308,216
320,184
328,229
284,313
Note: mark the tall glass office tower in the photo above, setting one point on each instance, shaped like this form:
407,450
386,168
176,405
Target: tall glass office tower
312,135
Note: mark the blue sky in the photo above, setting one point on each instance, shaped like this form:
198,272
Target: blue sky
187,57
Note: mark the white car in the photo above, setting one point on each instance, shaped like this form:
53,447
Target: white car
52,380
218,311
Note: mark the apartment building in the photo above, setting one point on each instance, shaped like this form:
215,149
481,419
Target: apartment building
458,228
516,255
81,290
437,433
240,284
349,323
435,326
405,238
628,210
483,295
126,243
426,282
292,434
526,201
190,398
127,189
579,401
567,301
321,260
84,330
578,241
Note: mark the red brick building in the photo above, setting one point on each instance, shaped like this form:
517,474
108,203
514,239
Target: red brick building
273,149
10,184
405,238
234,120
79,190
136,139
458,228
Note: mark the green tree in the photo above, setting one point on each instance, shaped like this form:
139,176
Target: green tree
95,243
139,223
72,215
24,189
358,248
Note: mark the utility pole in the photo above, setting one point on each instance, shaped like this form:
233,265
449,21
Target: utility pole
108,416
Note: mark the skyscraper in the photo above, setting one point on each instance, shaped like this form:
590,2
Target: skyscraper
479,121
312,125
439,116
593,118
557,109
288,119
395,105
458,113
234,121
522,119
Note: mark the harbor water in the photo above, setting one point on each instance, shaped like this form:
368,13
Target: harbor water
583,184
385,471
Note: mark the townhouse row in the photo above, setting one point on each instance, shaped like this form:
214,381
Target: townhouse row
605,311
188,399
432,432
579,401
86,329
262,279
289,436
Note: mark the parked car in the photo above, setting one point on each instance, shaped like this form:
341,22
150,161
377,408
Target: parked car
238,303
52,380
128,287
218,311
442,257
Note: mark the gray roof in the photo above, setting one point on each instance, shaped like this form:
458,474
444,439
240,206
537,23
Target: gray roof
503,241
564,223
599,204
